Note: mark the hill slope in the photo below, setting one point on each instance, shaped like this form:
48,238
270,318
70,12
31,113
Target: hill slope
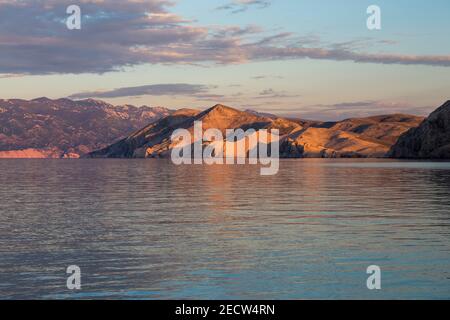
155,139
431,140
367,137
357,137
65,128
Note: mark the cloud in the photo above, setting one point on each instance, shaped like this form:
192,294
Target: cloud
236,31
273,94
276,53
177,89
342,110
239,6
11,75
114,34
355,109
361,43
262,77
210,97
120,34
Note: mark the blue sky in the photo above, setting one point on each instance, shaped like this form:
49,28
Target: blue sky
339,20
314,59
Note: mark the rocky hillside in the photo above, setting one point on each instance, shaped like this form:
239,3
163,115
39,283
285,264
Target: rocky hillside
431,140
155,139
367,137
357,137
45,128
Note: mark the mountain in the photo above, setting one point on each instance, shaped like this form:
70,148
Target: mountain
366,137
155,139
430,140
385,129
45,128
357,137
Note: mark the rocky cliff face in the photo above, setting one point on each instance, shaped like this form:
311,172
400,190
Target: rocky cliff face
367,137
431,140
45,128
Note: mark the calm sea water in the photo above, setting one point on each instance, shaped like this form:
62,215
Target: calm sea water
146,229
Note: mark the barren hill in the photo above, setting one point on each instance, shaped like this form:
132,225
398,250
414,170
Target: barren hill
46,128
366,137
155,139
431,140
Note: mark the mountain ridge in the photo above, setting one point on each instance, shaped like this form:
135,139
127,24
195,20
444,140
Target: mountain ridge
65,128
46,128
358,137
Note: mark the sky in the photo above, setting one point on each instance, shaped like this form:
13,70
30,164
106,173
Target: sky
313,59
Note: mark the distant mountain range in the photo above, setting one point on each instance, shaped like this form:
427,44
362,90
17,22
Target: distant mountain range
45,128
63,128
365,137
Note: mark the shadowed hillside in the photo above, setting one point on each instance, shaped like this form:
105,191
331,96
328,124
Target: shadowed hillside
431,140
